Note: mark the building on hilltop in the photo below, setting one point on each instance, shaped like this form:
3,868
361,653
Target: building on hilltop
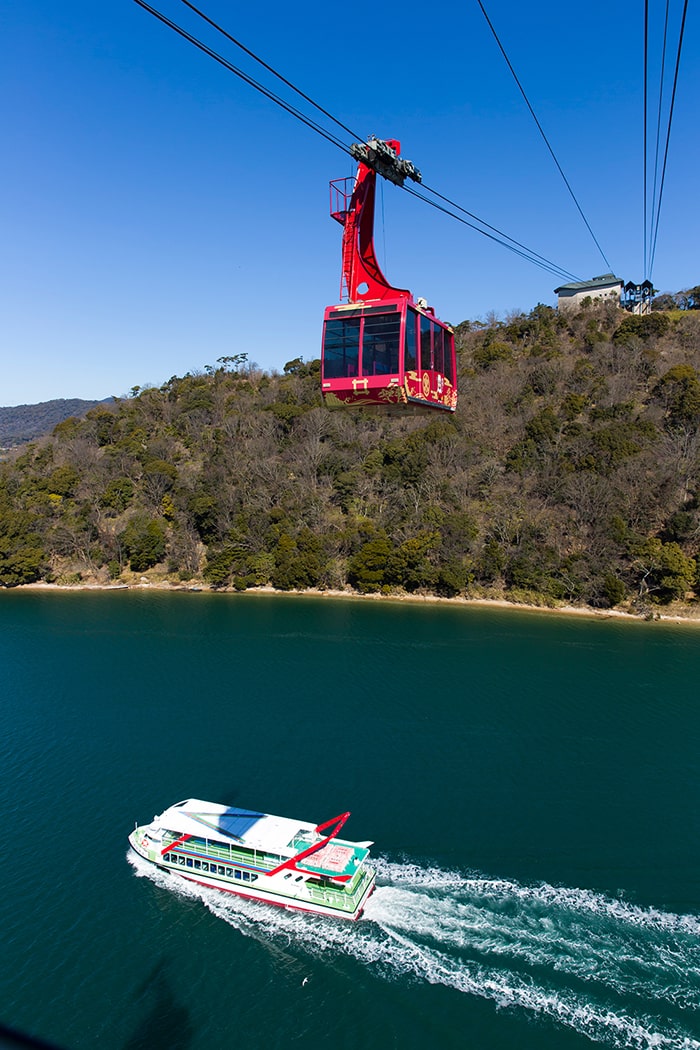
637,297
607,287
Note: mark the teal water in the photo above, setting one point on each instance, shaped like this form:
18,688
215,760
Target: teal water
531,783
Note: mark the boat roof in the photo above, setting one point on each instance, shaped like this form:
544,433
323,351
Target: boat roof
251,828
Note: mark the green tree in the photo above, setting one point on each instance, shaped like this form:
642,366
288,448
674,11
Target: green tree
298,562
679,392
664,571
367,569
22,555
144,542
410,565
118,494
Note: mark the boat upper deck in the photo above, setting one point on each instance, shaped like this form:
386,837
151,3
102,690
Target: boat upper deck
280,836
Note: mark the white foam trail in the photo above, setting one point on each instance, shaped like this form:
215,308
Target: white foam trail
607,1026
416,935
575,899
606,954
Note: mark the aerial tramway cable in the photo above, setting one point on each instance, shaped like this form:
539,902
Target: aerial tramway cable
668,138
658,134
541,131
495,235
525,254
270,69
243,76
644,132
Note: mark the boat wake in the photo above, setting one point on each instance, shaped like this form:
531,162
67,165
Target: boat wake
621,975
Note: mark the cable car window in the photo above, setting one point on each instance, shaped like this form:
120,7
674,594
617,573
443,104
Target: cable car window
410,360
341,347
380,345
438,349
426,357
449,347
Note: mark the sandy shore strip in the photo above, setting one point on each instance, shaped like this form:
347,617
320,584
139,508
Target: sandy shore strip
688,615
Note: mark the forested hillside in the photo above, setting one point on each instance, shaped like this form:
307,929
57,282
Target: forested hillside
24,423
568,474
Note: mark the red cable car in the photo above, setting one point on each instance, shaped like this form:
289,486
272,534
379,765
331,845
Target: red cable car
381,347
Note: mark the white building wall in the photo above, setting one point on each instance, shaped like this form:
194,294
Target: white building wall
571,300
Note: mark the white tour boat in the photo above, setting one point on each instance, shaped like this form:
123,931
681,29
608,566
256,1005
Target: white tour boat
281,861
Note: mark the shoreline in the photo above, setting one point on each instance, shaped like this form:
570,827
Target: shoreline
165,586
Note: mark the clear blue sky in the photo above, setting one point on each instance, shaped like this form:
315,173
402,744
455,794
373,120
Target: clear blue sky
156,213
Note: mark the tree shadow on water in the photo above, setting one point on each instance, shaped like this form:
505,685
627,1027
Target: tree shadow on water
166,1022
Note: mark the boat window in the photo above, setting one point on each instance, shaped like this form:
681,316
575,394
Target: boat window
189,862
288,875
229,872
341,347
220,869
166,856
205,866
253,878
181,861
246,876
410,353
380,345
198,864
236,874
426,356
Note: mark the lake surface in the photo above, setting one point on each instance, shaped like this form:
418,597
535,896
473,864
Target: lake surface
531,782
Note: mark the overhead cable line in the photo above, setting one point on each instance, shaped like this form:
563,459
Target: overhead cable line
526,253
668,137
530,253
497,236
541,131
353,134
658,132
644,133
270,69
243,76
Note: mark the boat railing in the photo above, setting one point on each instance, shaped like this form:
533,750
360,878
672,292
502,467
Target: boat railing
338,898
228,854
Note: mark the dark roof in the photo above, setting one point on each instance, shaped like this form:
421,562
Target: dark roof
604,281
632,286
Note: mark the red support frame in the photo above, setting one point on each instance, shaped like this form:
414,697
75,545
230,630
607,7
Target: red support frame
292,862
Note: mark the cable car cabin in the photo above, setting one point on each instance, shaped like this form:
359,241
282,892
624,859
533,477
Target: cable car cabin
390,354
381,348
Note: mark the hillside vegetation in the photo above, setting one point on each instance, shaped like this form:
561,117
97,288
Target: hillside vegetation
568,474
24,423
